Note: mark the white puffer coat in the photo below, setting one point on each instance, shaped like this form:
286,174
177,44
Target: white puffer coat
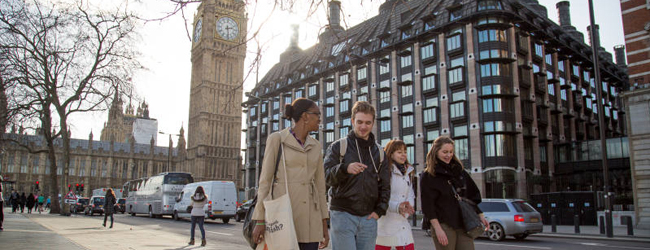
393,229
198,202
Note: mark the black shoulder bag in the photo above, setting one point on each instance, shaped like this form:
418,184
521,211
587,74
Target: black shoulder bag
471,221
248,222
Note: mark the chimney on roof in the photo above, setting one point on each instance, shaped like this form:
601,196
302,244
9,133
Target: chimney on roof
619,50
294,36
335,14
564,13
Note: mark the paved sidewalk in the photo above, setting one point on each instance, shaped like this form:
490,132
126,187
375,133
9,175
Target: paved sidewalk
589,232
49,231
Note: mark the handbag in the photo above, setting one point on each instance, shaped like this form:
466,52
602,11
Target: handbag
471,221
280,233
189,209
249,226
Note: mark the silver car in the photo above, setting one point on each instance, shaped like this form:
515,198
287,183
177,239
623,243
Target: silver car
510,217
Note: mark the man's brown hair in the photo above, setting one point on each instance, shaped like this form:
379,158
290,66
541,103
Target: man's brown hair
363,107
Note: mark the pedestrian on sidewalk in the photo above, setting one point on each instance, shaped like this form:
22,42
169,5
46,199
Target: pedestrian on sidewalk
445,176
109,204
13,200
199,199
2,206
30,203
22,202
359,182
47,205
393,229
41,199
304,180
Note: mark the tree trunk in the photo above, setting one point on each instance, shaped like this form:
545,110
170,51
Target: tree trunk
46,119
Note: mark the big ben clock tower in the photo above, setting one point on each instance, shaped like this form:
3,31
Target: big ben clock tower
214,129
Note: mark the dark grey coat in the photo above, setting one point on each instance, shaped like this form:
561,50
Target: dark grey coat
109,207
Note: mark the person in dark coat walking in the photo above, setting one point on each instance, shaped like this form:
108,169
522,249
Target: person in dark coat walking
30,203
22,201
13,200
109,207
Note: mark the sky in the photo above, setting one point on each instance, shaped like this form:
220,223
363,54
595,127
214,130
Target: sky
165,48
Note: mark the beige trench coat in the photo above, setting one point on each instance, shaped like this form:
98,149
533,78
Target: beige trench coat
306,183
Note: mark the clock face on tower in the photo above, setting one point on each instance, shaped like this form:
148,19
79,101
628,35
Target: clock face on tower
197,30
227,28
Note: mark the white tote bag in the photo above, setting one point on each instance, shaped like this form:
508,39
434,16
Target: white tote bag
280,233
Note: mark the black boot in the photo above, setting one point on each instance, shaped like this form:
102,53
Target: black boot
191,242
202,242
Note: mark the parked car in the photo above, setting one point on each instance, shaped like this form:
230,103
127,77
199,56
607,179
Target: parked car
95,205
510,217
120,206
80,205
222,200
242,210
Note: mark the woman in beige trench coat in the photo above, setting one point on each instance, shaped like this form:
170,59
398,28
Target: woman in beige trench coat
304,161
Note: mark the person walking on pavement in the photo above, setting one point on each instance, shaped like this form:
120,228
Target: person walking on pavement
359,183
443,174
47,205
22,201
394,230
305,177
199,199
30,203
13,199
109,204
41,199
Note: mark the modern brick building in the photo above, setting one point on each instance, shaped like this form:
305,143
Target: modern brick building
514,90
636,26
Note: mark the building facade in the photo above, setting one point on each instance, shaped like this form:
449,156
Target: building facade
124,125
514,90
214,129
636,26
638,105
95,164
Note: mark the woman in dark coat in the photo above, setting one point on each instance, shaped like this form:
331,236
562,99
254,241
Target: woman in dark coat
30,203
109,206
22,201
443,174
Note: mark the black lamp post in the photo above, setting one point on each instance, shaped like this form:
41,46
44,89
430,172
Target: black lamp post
595,44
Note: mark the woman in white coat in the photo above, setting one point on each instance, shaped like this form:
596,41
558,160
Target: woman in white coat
393,229
199,199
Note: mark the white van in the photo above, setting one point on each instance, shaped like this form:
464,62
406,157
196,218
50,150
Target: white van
222,200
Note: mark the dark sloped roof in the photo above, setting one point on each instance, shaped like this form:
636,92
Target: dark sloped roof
402,15
80,144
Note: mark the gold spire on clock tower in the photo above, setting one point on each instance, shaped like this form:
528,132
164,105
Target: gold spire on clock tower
218,52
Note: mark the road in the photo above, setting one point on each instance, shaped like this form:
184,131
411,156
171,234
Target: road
216,232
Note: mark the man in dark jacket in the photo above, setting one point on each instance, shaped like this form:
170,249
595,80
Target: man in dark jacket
359,183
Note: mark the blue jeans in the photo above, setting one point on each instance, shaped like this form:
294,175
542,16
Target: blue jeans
351,232
197,220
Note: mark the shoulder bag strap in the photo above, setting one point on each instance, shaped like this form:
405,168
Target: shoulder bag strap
284,160
458,197
277,162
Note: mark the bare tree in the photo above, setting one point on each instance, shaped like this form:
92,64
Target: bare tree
64,59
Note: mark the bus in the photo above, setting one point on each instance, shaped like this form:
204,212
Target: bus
155,195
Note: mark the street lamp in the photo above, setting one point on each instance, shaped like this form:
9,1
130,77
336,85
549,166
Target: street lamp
169,153
595,44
